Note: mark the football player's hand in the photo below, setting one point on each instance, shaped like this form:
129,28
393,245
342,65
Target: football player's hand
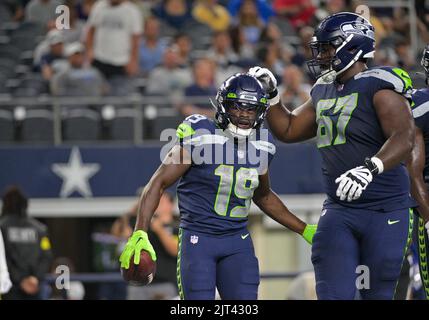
353,182
309,231
136,243
268,80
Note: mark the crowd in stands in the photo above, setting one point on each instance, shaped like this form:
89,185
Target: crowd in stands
175,49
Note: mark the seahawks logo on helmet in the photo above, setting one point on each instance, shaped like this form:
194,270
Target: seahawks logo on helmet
357,28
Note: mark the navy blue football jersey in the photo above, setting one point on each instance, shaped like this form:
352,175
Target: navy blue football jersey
215,193
421,117
348,130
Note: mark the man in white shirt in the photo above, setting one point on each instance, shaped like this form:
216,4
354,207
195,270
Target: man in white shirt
113,37
5,283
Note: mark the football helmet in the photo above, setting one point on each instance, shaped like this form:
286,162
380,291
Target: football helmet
241,104
338,42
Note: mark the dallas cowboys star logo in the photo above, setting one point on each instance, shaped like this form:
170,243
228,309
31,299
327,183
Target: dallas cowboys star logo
75,175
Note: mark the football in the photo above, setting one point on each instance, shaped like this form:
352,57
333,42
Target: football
141,274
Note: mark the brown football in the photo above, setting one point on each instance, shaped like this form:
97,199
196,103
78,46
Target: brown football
140,274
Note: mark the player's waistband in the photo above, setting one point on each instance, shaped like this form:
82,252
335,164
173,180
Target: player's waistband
215,234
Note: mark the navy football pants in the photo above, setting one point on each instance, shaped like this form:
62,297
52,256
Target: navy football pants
205,262
349,242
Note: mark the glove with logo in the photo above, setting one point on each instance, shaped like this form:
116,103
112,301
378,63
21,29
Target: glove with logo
268,81
353,182
136,243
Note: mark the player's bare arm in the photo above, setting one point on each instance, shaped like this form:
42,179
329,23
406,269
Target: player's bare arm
287,126
269,202
295,126
415,165
166,175
394,114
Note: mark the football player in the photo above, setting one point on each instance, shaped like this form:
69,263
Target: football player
222,165
365,131
418,167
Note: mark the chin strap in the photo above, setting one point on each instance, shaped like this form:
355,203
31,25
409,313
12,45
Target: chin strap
238,132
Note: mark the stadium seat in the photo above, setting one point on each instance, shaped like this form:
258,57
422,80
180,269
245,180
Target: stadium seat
6,126
37,126
5,15
10,52
31,85
29,28
152,128
7,67
122,125
24,42
80,123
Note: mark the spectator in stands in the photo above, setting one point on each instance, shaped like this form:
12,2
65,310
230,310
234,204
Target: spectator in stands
168,79
184,47
241,46
406,60
298,12
42,11
114,32
212,14
54,60
175,13
294,90
84,8
303,53
221,50
152,48
28,249
163,236
204,71
263,9
249,19
76,32
13,8
269,56
78,79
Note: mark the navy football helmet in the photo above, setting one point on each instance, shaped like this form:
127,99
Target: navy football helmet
241,92
350,35
425,62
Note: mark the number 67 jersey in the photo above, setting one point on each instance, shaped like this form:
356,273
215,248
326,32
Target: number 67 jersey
215,194
348,130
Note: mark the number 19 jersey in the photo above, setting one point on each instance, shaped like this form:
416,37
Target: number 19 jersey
215,193
348,130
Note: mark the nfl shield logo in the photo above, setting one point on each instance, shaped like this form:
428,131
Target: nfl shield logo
194,239
240,154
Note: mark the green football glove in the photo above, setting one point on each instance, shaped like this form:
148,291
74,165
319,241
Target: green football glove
136,243
309,231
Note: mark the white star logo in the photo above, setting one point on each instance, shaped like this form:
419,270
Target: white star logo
75,175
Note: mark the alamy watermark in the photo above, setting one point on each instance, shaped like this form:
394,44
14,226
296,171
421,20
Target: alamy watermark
62,22
63,279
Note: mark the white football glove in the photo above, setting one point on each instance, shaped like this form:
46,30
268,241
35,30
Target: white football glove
268,81
353,182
